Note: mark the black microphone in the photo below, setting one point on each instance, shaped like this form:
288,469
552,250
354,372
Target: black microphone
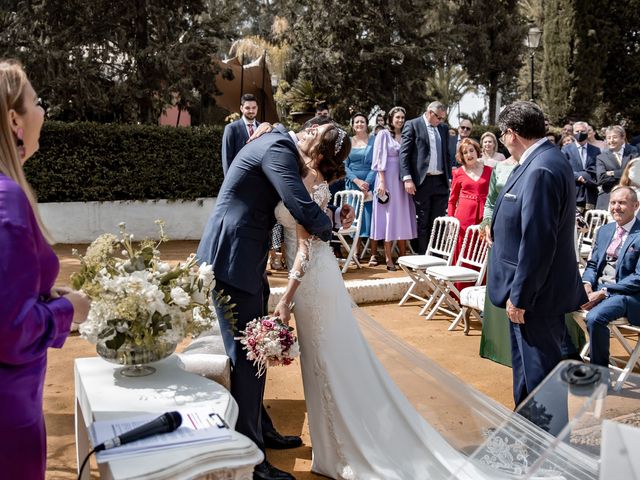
165,423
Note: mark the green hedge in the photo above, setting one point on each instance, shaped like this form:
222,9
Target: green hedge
83,161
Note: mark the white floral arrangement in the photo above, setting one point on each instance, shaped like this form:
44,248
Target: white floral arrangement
139,299
269,342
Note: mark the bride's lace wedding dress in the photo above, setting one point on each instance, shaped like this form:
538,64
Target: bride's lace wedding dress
362,427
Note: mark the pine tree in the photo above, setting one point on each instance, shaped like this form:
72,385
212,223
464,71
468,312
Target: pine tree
492,34
361,54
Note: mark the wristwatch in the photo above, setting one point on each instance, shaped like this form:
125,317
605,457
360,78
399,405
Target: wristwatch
606,292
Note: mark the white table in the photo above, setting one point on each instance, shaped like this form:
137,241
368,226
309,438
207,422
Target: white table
102,393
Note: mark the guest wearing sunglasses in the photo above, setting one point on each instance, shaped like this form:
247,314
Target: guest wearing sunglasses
425,168
464,131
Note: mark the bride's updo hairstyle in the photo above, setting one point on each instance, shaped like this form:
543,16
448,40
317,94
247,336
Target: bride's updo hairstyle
334,146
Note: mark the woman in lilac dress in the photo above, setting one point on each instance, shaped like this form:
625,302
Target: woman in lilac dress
395,219
33,315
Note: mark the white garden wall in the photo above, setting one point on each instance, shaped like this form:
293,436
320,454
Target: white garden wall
82,222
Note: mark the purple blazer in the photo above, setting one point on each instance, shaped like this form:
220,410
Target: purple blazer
30,323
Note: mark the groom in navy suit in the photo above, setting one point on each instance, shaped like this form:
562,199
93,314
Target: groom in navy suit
235,242
533,270
612,276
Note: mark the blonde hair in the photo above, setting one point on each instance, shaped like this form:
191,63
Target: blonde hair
493,137
13,81
625,180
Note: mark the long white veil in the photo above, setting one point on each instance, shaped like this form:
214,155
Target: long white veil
498,442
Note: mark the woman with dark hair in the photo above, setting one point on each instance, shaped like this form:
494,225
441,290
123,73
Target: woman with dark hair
360,423
469,188
357,166
394,213
34,315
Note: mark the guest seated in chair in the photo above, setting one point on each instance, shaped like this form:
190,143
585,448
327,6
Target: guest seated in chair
612,276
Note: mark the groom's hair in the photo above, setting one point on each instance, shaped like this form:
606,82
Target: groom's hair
317,120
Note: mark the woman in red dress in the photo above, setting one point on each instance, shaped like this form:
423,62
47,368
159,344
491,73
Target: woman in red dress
469,188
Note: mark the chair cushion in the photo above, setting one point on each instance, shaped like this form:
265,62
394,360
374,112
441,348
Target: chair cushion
213,367
419,262
453,273
473,297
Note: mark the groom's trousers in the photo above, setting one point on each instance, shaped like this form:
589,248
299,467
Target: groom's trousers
246,387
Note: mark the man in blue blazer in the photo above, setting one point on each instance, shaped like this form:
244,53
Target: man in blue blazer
235,242
236,134
582,158
533,270
612,276
425,168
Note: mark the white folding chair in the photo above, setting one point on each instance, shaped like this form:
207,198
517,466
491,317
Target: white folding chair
442,243
470,267
356,200
618,328
594,220
472,303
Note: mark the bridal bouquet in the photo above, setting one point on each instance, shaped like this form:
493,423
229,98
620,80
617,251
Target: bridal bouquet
269,342
137,299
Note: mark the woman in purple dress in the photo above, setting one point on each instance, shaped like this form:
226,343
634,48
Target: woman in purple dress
33,315
395,219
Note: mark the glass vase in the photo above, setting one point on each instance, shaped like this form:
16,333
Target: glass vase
136,357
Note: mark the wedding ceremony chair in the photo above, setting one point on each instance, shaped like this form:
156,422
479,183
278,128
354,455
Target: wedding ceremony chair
470,267
594,219
442,243
351,234
472,303
620,329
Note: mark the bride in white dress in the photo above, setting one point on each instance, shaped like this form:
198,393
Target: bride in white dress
362,427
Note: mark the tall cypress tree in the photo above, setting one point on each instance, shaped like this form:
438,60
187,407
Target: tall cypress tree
572,72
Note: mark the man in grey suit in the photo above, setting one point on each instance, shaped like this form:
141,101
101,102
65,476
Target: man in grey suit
235,242
236,134
610,164
425,168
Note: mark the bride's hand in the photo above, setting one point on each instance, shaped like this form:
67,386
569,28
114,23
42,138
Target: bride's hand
283,312
263,128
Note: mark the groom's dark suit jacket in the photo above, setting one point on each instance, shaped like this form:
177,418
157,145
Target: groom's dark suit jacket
236,238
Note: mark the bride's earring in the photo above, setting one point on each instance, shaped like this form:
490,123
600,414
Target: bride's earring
20,142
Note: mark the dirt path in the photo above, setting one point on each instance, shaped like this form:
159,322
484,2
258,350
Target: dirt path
284,395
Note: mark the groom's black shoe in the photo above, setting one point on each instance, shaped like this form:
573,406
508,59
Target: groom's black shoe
266,471
274,440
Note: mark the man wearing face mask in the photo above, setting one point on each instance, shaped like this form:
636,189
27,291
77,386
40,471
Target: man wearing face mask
582,157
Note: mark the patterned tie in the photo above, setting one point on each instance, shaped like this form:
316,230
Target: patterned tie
614,247
583,155
250,127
